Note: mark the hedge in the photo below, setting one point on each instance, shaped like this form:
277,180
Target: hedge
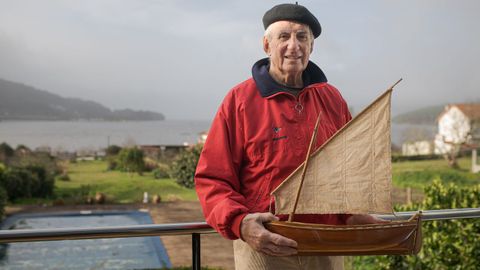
447,244
27,182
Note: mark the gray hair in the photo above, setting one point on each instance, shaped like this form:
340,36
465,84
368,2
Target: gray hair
268,33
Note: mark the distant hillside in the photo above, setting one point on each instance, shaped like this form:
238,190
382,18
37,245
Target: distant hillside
22,102
426,116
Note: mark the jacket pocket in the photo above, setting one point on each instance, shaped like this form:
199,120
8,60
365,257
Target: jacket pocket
259,201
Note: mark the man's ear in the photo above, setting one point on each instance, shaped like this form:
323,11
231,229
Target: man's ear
266,45
311,47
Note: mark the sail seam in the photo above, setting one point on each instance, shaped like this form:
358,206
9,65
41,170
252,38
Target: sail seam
373,198
344,168
389,149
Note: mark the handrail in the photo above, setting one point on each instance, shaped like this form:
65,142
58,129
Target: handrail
29,235
33,235
431,215
192,228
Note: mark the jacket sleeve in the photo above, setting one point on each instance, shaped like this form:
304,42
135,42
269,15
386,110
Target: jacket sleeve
346,115
217,175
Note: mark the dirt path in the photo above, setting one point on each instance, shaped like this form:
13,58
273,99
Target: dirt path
215,251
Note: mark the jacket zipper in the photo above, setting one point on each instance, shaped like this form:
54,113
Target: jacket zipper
298,106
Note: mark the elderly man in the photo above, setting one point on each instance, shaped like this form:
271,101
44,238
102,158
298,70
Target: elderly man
260,135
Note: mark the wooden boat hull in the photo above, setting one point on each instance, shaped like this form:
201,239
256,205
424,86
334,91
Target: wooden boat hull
392,238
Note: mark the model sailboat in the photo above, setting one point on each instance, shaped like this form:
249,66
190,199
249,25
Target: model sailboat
348,174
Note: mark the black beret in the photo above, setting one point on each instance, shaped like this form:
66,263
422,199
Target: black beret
292,12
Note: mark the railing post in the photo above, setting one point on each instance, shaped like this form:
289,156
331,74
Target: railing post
196,251
409,195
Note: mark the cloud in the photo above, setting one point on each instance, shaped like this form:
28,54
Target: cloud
181,57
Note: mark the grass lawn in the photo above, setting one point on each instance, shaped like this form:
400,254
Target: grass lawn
418,174
90,177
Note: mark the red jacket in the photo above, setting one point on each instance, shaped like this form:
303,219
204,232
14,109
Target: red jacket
257,138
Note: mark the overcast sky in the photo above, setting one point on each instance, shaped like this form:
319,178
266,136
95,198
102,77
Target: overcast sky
181,57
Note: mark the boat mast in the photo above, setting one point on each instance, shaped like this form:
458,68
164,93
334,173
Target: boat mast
312,140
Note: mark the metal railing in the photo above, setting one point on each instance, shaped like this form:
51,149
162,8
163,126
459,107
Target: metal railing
33,235
193,228
430,215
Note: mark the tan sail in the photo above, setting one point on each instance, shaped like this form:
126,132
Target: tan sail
350,173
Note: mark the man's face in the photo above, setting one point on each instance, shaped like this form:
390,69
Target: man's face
289,45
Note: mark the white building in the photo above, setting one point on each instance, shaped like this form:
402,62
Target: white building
417,148
457,124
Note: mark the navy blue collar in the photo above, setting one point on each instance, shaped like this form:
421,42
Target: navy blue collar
268,86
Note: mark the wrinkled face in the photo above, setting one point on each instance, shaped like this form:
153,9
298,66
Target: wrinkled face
289,46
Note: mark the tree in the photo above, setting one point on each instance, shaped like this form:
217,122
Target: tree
459,141
6,152
456,133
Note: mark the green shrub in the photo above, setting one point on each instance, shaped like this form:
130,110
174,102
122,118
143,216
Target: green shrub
421,178
162,171
76,195
183,168
37,159
447,244
401,158
18,183
64,177
112,163
149,165
3,202
113,150
27,182
46,181
2,169
3,193
131,160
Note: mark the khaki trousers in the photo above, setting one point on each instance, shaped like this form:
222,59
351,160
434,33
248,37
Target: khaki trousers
248,259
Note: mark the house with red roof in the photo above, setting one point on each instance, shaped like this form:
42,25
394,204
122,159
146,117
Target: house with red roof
458,125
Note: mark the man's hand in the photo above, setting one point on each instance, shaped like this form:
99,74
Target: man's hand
260,239
364,219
